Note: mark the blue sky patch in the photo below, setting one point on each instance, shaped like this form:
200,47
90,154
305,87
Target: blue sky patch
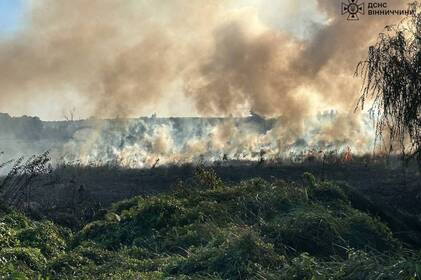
11,13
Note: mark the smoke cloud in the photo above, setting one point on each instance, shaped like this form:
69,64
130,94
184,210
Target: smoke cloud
110,58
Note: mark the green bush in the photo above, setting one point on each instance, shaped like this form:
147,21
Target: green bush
45,236
30,258
312,230
251,230
8,236
241,256
15,220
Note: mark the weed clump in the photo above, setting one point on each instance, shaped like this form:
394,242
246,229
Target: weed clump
251,230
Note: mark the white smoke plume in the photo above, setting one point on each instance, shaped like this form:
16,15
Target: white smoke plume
123,59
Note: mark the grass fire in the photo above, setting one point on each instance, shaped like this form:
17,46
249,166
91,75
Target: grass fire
238,139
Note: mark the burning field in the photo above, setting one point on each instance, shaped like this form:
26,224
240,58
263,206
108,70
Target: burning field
235,139
198,69
148,142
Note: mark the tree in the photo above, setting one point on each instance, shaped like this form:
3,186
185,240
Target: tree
392,81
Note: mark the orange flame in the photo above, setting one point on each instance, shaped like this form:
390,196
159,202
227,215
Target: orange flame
347,157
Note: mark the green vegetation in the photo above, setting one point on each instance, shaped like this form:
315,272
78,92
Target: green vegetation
391,77
251,230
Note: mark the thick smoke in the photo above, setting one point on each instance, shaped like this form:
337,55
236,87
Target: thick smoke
112,58
106,58
145,142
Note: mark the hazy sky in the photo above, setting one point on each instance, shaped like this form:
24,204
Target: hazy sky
111,58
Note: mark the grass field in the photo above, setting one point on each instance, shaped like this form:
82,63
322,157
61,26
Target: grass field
210,229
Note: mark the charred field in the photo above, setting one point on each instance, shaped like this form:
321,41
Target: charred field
398,187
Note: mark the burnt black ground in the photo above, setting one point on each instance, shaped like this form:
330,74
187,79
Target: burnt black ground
106,185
